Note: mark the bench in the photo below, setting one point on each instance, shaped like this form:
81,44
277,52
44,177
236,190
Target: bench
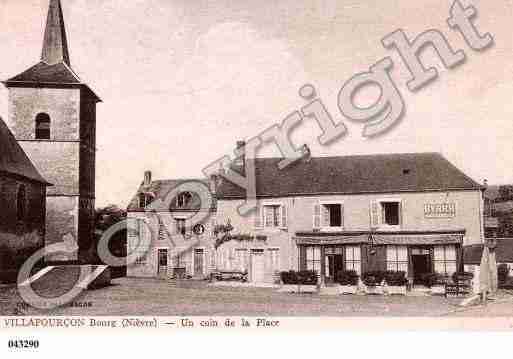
230,275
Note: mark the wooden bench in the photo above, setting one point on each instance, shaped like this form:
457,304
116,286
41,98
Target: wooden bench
230,275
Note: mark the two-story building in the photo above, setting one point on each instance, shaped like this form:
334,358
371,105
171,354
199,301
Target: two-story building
163,216
407,212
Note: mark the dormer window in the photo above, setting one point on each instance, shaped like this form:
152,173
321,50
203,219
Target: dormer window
43,125
183,199
144,200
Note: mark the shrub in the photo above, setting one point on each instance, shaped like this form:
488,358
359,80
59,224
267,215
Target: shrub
302,277
396,278
373,278
462,276
347,277
502,273
432,279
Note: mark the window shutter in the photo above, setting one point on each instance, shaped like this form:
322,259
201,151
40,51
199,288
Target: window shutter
284,218
401,213
374,214
342,215
325,216
317,216
258,217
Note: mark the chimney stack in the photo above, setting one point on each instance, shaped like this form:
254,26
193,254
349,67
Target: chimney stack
147,178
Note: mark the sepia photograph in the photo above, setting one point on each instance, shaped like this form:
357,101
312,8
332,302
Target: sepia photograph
332,164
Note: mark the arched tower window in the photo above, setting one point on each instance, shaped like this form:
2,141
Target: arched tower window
43,124
21,198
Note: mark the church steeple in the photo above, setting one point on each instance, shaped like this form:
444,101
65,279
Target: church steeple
55,43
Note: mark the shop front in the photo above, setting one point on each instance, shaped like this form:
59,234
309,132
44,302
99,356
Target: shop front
416,254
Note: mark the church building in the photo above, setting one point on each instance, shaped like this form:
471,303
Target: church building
52,115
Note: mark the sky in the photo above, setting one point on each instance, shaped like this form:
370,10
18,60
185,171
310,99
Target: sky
183,80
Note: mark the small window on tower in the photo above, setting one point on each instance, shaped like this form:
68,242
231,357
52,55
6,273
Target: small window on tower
43,126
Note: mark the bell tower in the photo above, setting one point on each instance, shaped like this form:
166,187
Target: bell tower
52,114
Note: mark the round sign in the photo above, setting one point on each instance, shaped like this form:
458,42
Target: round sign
199,229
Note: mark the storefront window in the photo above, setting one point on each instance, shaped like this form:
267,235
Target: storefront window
445,259
313,259
353,259
397,258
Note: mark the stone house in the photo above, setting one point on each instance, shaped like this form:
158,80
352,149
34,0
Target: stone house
22,199
52,115
408,212
176,247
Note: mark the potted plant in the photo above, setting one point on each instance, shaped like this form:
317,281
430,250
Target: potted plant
373,282
395,282
348,281
436,282
298,281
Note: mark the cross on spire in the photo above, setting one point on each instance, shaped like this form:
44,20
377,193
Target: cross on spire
55,43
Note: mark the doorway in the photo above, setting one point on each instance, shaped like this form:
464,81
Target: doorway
162,262
199,260
335,263
421,263
257,265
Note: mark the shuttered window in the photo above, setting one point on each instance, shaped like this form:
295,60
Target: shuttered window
271,216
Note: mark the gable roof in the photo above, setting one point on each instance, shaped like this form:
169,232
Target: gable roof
160,189
504,252
383,173
13,159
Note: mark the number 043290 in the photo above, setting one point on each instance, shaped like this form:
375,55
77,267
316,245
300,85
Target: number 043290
23,344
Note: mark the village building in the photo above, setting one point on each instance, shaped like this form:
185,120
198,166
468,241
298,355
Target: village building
400,212
22,199
178,248
52,115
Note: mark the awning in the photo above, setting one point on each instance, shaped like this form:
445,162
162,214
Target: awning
332,240
381,239
417,239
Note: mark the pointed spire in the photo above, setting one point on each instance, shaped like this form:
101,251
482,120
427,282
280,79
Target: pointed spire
55,44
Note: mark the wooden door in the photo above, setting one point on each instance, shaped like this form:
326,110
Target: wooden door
162,262
199,260
257,266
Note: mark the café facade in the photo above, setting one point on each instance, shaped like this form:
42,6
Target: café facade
401,212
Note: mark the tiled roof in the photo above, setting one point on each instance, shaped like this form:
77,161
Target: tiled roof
13,159
159,190
43,73
504,252
384,173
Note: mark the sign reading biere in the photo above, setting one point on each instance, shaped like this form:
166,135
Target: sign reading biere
440,210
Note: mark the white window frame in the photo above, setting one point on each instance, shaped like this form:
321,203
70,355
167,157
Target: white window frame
329,228
281,205
382,224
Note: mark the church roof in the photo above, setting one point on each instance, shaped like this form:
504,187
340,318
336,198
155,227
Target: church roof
13,159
